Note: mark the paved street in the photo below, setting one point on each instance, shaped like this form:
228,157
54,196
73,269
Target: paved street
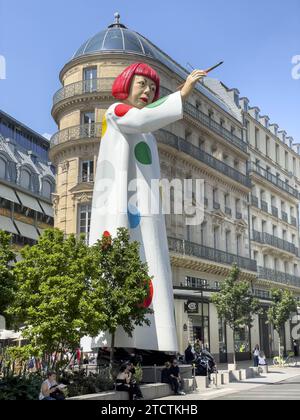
279,384
286,390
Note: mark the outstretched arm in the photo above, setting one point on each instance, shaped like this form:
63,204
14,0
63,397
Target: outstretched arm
130,120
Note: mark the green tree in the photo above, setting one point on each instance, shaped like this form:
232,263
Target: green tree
235,303
7,280
124,284
283,304
53,281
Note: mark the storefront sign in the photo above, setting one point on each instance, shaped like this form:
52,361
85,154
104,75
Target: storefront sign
192,307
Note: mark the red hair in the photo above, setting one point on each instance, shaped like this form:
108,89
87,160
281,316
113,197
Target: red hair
122,84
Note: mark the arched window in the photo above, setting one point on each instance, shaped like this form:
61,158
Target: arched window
3,168
25,179
47,189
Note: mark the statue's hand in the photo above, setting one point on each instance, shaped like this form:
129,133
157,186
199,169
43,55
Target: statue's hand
190,83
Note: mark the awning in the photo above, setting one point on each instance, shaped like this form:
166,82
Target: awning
8,193
29,201
28,231
7,225
48,209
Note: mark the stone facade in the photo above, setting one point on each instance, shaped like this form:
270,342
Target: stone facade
210,143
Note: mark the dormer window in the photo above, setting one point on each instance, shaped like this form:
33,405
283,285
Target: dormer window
256,115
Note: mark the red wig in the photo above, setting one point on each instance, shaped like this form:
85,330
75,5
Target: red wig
122,84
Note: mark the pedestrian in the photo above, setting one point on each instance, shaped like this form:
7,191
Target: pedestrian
296,348
175,378
189,355
256,352
262,359
165,374
50,390
125,382
198,346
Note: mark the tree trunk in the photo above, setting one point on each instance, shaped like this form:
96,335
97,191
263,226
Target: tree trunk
279,343
234,354
112,351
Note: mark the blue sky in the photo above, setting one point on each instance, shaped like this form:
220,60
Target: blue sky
256,38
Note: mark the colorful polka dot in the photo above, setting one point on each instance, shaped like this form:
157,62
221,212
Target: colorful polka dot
122,109
143,153
104,126
134,217
148,301
158,103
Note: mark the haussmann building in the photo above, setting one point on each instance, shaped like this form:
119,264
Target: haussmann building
252,178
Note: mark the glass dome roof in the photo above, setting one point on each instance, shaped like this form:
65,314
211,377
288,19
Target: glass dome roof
118,38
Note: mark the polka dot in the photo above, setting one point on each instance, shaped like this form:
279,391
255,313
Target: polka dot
157,103
143,153
104,126
148,301
122,109
134,217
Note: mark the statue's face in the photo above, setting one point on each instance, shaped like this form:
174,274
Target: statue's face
142,92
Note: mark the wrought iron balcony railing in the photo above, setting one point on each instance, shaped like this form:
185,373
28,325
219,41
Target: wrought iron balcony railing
192,249
83,87
253,167
85,131
267,239
197,114
278,276
182,145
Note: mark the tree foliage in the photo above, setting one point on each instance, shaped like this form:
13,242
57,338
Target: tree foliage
235,303
283,304
7,280
67,290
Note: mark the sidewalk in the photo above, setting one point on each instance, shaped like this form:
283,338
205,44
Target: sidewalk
274,376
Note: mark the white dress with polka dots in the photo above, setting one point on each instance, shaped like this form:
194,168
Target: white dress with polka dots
128,162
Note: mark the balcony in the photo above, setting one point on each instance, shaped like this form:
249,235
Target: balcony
284,216
253,167
170,139
214,126
228,211
267,239
275,212
83,87
192,249
85,131
254,201
264,206
278,277
293,221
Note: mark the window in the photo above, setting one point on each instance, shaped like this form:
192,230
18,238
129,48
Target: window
286,267
216,236
255,255
274,230
188,135
238,244
265,257
85,219
284,234
201,144
88,117
254,222
275,264
294,239
294,165
256,137
25,179
286,160
277,153
236,165
227,241
90,79
263,226
47,189
203,232
87,171
222,122
3,169
267,145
